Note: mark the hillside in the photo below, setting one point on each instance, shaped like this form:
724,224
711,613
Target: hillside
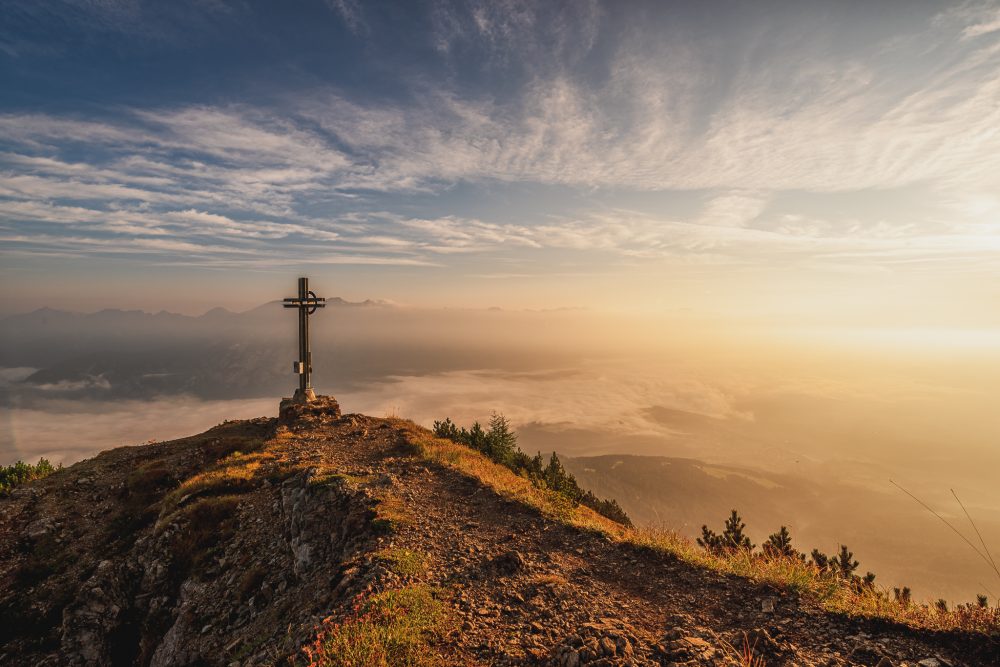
881,525
256,540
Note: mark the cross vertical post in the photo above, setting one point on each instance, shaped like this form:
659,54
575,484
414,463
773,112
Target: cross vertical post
307,302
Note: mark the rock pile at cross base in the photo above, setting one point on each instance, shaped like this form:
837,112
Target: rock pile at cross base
148,555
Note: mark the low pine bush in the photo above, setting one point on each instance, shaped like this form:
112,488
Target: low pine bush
14,475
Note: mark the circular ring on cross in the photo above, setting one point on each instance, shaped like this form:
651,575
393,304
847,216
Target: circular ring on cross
312,295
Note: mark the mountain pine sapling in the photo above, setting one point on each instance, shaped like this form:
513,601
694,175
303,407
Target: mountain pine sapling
733,534
477,437
709,540
447,430
731,539
501,442
779,545
843,564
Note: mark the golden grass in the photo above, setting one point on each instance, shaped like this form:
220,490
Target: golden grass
509,485
549,579
832,593
394,628
404,562
391,513
745,655
233,474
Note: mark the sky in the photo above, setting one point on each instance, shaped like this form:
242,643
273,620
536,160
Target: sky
806,163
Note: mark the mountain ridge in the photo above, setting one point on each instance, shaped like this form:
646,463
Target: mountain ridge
214,312
258,539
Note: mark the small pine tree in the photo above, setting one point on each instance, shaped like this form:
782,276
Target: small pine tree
555,474
710,541
733,534
902,595
779,545
941,605
843,564
821,560
447,429
477,437
501,442
982,601
537,466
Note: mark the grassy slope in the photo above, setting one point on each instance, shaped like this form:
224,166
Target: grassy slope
832,593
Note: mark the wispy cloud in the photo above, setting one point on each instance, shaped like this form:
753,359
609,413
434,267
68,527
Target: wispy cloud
980,20
350,11
316,175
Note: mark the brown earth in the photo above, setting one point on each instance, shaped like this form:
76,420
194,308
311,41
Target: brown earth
107,563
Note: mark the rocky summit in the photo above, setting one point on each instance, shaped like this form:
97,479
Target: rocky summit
318,538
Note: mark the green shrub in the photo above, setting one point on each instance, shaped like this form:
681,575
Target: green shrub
14,475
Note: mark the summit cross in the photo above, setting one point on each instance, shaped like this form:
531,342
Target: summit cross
307,302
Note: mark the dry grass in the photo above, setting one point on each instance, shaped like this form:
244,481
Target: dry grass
391,513
509,485
745,655
394,628
549,579
832,593
232,475
404,562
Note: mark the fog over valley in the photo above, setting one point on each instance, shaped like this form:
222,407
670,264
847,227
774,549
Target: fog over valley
674,417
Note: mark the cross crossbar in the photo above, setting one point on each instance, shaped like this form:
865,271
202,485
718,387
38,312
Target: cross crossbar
304,303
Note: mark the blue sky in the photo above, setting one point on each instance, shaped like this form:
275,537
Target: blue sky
794,158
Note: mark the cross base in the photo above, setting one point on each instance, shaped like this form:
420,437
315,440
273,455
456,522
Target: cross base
304,396
322,408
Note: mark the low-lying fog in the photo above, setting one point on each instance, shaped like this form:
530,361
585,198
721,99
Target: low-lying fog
804,428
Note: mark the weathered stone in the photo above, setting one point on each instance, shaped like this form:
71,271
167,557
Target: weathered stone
291,411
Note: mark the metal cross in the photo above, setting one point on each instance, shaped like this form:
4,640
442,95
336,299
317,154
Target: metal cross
307,302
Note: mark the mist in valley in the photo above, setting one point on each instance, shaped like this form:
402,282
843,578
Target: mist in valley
675,416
